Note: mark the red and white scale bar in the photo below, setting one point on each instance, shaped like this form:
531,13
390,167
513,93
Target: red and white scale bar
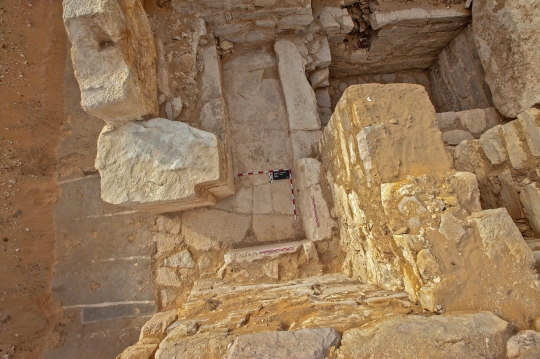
271,171
315,211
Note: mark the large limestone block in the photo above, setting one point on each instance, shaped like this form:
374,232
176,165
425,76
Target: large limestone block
114,58
162,166
506,35
525,344
299,95
460,335
472,261
306,343
530,199
378,134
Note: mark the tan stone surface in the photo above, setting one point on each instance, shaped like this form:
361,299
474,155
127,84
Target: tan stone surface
498,29
114,57
226,229
377,136
459,335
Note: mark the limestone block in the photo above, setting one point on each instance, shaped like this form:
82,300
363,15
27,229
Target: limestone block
451,227
244,200
455,137
114,58
306,343
319,228
492,145
523,343
361,151
167,277
462,335
180,260
319,78
319,51
501,238
475,121
143,349
226,229
168,225
299,96
304,143
514,146
262,199
157,326
447,120
309,172
514,80
323,98
273,228
151,165
531,131
530,199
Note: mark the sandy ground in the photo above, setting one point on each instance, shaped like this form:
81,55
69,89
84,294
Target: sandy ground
32,60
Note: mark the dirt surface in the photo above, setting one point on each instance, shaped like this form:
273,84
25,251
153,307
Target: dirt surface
32,60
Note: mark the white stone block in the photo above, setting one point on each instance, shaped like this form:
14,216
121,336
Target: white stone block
162,166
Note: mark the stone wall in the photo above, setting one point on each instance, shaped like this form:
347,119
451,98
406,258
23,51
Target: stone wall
249,20
467,125
401,38
457,77
407,220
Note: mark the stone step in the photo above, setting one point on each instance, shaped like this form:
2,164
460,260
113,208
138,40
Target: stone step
271,262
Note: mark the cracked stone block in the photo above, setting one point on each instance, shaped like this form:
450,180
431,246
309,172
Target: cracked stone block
114,58
162,166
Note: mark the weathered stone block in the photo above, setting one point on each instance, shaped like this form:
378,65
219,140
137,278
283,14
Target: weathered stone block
514,80
306,343
462,335
299,96
157,326
362,150
151,165
531,131
455,137
492,145
514,145
114,57
530,198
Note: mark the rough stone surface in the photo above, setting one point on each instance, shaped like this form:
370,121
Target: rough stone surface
143,349
458,76
492,146
498,29
114,58
363,149
180,260
522,344
454,137
157,326
446,336
530,198
306,343
151,165
299,96
227,310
